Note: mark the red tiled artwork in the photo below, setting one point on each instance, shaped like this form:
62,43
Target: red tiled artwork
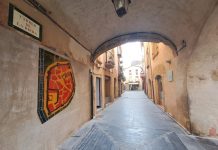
56,85
59,85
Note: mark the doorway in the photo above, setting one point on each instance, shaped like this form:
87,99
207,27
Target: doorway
115,88
107,89
150,89
98,93
160,93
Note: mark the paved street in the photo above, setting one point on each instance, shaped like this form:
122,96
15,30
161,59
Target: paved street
134,122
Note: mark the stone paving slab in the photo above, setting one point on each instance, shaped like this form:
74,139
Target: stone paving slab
169,141
133,122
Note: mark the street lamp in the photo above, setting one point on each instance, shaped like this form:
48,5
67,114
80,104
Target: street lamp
121,6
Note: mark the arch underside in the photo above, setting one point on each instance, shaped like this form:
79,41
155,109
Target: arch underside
131,37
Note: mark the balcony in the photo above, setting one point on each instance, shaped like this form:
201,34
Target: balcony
110,64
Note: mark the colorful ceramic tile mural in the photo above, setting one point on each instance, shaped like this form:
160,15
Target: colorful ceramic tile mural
56,84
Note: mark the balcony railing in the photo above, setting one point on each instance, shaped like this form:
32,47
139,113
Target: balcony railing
109,64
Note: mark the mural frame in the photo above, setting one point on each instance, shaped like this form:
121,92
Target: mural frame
43,100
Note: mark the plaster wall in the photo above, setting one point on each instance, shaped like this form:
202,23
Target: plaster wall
20,127
202,80
177,20
161,67
159,54
147,64
175,92
179,95
52,36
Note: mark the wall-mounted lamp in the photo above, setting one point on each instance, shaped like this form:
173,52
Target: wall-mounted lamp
121,6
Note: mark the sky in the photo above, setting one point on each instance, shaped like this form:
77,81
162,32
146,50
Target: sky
130,52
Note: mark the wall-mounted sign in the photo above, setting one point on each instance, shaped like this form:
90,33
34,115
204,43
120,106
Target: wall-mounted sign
56,85
22,22
170,75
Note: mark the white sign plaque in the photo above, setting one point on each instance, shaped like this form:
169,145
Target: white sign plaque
24,23
170,75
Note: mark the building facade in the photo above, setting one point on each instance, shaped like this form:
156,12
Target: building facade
160,76
107,80
133,77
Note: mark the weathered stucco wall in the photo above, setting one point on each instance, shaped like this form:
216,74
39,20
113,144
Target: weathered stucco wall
52,36
202,80
175,95
20,127
175,19
160,66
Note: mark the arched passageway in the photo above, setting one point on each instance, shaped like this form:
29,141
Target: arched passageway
78,31
131,37
159,69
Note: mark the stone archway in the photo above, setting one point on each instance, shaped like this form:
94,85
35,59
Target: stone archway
136,36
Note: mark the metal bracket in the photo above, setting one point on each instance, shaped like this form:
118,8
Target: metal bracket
183,45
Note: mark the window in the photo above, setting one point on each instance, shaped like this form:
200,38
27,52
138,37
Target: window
136,72
130,79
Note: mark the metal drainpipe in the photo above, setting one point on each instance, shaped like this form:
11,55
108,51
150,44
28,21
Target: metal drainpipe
91,86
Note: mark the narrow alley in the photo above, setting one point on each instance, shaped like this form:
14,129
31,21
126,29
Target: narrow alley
108,74
134,122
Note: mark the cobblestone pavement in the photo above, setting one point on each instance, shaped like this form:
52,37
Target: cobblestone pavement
133,122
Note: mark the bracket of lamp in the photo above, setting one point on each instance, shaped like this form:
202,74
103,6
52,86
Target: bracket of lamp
183,45
121,6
